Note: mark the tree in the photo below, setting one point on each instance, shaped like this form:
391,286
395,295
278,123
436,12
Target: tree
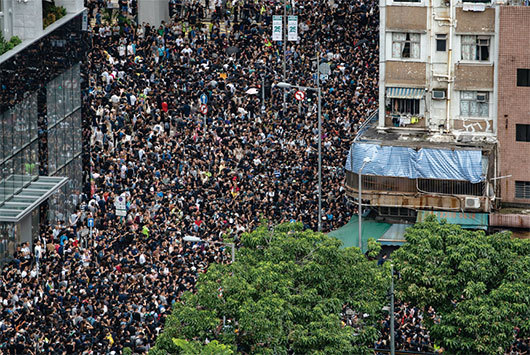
284,293
478,285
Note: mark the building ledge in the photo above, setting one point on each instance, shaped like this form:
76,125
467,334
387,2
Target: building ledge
510,220
28,42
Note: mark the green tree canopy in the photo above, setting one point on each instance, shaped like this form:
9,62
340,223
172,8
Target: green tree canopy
285,292
478,285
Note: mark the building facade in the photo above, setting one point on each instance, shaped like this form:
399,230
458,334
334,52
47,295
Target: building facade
40,131
432,146
452,133
514,107
437,65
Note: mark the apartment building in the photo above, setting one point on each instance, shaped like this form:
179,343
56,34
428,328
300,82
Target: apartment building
514,119
452,118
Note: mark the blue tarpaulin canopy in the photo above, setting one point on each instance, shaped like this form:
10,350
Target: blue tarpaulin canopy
428,163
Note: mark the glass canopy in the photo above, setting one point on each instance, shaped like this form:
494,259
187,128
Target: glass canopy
29,197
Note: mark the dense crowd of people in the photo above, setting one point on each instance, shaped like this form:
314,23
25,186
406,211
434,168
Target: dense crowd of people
181,173
409,329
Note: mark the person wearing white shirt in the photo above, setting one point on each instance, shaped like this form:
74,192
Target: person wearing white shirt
121,50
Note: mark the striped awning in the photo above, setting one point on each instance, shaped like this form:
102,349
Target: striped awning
405,93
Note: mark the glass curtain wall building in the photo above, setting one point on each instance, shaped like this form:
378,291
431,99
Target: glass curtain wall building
40,134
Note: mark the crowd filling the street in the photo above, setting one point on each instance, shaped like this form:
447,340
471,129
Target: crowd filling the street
181,173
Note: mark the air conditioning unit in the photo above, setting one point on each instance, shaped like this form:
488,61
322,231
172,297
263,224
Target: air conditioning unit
482,97
472,202
438,94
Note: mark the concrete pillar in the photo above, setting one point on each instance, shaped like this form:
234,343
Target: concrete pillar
27,18
70,5
25,230
153,11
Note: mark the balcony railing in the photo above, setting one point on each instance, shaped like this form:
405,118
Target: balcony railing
414,186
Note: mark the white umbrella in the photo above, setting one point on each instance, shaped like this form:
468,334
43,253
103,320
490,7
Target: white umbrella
252,91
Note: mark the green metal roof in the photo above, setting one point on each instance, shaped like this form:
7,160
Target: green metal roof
349,233
395,235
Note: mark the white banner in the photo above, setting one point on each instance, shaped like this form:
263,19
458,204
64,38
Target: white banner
277,28
292,26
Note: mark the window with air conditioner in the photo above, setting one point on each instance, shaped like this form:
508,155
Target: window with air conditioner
474,104
472,202
475,48
438,94
406,45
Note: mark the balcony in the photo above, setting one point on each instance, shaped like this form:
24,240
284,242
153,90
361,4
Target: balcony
397,120
418,193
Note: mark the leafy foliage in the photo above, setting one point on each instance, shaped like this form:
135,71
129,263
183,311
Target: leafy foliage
374,248
51,13
197,348
284,293
8,45
477,283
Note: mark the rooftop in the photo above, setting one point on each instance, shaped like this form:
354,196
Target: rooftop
420,138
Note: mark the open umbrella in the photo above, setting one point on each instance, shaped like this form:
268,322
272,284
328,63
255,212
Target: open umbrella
232,50
252,91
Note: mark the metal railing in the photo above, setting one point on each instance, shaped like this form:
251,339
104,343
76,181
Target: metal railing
369,121
406,185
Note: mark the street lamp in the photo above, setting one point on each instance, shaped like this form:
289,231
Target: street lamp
284,85
365,161
192,239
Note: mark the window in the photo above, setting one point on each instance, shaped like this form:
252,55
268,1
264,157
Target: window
441,42
405,45
523,77
475,48
522,132
522,189
474,104
405,106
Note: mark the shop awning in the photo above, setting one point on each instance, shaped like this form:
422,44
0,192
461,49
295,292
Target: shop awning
29,197
405,93
349,233
468,220
395,235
